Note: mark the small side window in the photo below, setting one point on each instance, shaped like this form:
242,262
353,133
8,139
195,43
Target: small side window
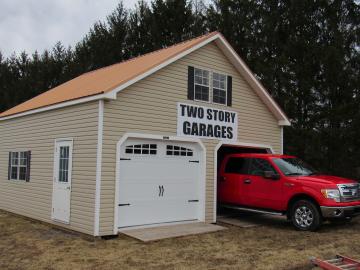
237,165
19,165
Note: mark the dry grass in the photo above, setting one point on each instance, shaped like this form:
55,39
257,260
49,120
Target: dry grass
273,245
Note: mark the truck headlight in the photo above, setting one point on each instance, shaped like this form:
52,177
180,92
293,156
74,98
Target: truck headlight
333,194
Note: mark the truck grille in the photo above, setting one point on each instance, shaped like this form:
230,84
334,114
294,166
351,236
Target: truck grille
349,192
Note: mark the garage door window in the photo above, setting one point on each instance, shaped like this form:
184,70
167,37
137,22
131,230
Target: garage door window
174,150
141,149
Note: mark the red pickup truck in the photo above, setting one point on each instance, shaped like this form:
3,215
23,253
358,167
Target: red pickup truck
285,185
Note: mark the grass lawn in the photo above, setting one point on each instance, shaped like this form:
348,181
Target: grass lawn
272,245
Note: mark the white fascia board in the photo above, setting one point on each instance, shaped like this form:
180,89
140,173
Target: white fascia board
284,123
59,105
162,65
250,78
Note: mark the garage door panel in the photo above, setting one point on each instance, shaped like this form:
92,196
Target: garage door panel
161,187
135,191
160,213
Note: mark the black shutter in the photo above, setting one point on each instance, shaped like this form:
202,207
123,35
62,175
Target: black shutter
9,166
28,160
229,91
191,83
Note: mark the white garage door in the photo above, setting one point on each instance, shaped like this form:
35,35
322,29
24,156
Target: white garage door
159,182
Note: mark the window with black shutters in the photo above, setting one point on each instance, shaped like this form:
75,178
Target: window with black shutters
204,85
19,165
201,83
237,165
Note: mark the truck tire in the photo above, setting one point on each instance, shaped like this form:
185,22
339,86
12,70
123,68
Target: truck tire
305,216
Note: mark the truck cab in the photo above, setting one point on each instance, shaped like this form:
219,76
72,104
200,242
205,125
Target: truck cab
285,185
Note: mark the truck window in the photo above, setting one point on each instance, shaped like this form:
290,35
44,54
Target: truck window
237,165
258,166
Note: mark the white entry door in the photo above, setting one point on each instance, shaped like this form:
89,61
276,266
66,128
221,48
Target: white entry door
159,181
62,181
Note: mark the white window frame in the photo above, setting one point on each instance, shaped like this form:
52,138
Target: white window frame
212,87
58,143
18,166
63,172
209,85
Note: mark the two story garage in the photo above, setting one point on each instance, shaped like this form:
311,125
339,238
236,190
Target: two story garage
136,143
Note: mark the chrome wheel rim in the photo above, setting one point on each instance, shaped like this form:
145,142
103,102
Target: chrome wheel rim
304,216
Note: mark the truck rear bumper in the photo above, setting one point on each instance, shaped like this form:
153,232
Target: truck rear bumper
340,212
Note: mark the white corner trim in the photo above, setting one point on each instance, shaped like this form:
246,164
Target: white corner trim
243,144
98,168
157,137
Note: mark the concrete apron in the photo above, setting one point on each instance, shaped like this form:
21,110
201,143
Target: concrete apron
171,231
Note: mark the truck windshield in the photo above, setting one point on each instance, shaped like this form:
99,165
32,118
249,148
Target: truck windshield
293,166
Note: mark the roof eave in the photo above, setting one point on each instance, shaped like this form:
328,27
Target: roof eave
245,71
234,59
226,48
59,105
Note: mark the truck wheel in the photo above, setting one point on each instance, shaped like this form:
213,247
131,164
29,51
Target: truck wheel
305,216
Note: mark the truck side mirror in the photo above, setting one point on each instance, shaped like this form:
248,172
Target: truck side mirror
271,175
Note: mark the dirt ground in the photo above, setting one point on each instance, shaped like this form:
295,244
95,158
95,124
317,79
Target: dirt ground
26,244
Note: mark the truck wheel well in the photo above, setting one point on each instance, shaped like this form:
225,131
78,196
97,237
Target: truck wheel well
298,198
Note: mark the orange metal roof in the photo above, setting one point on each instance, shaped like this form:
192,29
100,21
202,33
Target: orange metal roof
104,79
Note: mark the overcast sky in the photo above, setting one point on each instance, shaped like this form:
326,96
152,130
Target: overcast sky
38,24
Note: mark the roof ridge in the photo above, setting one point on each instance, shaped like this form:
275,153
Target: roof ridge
149,53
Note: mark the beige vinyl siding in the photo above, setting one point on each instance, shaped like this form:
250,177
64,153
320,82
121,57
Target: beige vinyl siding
150,106
37,133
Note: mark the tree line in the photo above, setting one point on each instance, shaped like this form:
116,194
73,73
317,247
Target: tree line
306,53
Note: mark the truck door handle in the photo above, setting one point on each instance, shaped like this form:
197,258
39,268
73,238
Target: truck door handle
222,178
247,181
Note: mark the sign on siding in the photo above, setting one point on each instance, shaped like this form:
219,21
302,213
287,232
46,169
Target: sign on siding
204,122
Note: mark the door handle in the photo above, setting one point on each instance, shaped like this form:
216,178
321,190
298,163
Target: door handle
247,181
124,204
68,188
222,178
161,191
